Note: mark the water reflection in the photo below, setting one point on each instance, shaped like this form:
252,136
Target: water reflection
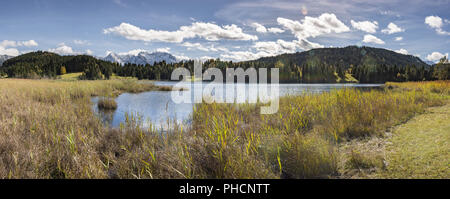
157,107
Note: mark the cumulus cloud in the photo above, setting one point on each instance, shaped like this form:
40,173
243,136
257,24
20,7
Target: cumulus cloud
275,30
271,48
244,55
435,56
208,31
274,48
262,29
366,26
314,26
8,43
398,38
199,46
164,50
8,47
436,23
191,46
259,28
402,51
62,49
372,39
9,51
392,28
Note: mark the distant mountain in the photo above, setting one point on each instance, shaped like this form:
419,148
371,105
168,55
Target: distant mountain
430,63
141,58
3,58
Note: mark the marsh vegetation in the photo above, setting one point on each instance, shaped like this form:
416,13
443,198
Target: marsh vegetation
48,130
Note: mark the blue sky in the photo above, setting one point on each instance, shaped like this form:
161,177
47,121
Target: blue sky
229,30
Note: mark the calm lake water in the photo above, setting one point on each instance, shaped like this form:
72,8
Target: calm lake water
156,107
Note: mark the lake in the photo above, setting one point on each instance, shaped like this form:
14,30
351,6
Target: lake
156,107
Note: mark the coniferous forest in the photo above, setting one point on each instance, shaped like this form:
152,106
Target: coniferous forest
325,65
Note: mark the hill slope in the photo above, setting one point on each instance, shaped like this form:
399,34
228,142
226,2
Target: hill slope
47,64
365,64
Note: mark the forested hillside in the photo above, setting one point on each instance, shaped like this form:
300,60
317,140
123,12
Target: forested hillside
324,65
365,64
46,64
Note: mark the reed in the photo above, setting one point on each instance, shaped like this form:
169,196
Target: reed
48,130
107,104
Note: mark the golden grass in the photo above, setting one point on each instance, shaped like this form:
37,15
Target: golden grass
70,76
48,130
301,140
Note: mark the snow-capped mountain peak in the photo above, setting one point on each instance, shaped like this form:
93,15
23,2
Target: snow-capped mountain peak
140,57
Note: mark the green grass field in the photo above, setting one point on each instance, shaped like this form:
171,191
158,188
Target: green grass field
75,76
420,148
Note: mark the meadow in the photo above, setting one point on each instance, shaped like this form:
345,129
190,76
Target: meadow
48,130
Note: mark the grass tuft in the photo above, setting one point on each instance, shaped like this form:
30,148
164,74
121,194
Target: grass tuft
107,104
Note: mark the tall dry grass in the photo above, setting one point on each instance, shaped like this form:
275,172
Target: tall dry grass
48,130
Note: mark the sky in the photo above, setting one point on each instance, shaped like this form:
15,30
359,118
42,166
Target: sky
227,29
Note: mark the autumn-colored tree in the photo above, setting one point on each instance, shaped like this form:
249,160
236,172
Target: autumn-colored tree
63,70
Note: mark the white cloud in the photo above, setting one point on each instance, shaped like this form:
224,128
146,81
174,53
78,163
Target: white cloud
392,28
29,43
262,29
208,31
275,30
7,43
8,51
307,45
435,56
63,50
398,38
191,46
372,39
204,58
164,50
436,23
243,55
314,26
366,26
271,48
89,52
274,48
402,51
259,28
81,42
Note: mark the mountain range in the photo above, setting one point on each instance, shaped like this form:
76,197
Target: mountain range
140,58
